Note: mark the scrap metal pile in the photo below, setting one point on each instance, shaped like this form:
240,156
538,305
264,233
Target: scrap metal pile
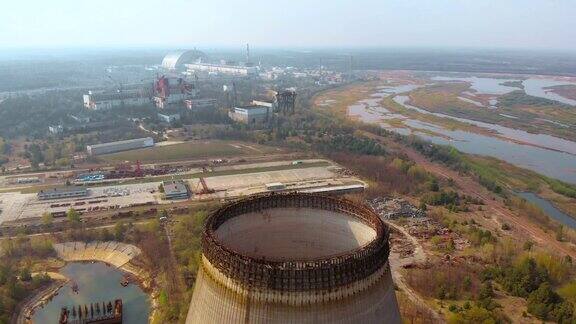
394,208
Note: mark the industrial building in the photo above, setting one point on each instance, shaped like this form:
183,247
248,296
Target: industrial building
176,60
80,119
172,90
27,180
175,190
253,114
168,118
56,129
294,258
263,103
275,186
226,68
109,100
119,146
336,190
200,103
59,193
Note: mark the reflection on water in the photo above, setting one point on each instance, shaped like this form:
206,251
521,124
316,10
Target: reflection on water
536,87
542,140
552,163
483,85
549,209
97,282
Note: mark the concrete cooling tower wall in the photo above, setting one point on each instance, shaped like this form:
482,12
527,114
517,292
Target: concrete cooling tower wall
294,258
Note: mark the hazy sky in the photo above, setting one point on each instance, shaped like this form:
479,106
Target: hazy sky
542,24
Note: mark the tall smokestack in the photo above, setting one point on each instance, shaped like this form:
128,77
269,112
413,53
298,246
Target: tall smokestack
247,52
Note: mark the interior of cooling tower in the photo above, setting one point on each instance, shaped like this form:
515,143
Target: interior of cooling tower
294,258
292,234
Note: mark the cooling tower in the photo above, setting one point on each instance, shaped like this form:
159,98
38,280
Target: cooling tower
294,258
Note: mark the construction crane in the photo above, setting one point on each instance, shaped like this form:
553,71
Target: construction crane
205,188
138,171
116,82
286,101
235,99
231,94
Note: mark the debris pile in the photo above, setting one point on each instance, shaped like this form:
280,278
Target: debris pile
394,208
401,245
345,172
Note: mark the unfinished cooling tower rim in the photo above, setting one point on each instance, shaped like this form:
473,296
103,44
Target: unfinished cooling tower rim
296,281
291,298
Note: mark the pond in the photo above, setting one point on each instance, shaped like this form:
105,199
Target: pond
97,282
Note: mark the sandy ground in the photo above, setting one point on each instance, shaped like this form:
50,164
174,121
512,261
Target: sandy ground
17,206
417,257
166,143
39,299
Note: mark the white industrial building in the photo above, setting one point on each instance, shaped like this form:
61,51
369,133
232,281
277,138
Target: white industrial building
252,114
169,118
105,101
176,60
119,146
223,68
59,193
200,103
174,98
56,129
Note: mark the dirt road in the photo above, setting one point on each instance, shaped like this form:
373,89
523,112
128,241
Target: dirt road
396,265
500,212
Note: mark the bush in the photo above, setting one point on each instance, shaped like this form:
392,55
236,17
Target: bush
442,198
522,278
476,314
544,303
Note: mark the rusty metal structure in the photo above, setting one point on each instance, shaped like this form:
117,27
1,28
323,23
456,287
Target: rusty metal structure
286,102
108,313
283,289
325,273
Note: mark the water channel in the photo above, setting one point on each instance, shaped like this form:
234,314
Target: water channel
549,209
545,154
534,86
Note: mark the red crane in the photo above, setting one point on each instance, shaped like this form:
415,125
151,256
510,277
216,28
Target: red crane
138,172
205,188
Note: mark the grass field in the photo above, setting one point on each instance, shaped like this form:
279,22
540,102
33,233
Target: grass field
189,150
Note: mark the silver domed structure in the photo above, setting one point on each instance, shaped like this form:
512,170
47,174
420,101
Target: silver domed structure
176,60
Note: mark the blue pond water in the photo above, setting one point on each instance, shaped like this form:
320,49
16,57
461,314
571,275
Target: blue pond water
97,282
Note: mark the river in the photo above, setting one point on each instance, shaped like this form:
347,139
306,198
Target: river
549,209
545,154
533,86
